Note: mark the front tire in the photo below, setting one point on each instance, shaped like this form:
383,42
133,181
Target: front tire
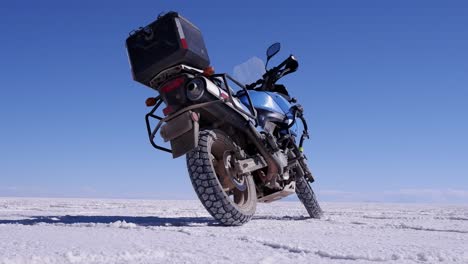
230,203
307,197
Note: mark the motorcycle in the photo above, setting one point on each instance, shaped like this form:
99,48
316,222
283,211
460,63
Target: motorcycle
240,144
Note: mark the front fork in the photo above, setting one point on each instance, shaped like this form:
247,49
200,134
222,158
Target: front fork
299,161
307,173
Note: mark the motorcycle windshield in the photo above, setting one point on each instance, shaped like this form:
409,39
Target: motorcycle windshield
249,71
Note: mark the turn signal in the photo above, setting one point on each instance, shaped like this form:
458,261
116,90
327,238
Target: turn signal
150,101
208,71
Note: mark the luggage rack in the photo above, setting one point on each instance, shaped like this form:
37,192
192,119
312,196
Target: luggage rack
161,120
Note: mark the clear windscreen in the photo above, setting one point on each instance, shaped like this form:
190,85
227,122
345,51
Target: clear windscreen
249,71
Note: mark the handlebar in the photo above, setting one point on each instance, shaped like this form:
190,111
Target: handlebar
252,85
275,73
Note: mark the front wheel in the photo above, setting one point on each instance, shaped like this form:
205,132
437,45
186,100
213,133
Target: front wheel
307,197
231,200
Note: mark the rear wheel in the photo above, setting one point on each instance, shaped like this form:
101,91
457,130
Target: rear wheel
307,197
230,199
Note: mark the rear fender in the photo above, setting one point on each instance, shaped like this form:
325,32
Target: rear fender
182,131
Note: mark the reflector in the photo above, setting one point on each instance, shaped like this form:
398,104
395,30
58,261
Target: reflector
167,110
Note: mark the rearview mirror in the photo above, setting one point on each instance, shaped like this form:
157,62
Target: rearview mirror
271,51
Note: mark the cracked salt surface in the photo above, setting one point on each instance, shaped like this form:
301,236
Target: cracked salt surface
136,231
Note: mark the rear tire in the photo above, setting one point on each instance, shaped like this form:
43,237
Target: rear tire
307,197
228,204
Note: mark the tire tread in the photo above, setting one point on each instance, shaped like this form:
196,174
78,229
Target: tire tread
205,184
307,197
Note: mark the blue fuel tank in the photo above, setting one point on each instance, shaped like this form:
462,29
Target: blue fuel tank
270,106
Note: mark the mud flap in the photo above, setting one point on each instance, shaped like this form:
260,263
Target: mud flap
183,132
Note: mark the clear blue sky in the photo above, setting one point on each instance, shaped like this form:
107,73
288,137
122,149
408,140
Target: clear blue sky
384,85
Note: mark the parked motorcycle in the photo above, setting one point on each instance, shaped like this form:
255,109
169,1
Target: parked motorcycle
240,144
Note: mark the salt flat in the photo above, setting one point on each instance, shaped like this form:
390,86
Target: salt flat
39,230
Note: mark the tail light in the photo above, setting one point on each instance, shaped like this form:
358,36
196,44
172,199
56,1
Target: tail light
173,95
172,85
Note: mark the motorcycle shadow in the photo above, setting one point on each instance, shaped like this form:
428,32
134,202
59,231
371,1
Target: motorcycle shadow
281,218
138,220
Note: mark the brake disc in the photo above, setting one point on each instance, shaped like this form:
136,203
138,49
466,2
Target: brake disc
229,162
